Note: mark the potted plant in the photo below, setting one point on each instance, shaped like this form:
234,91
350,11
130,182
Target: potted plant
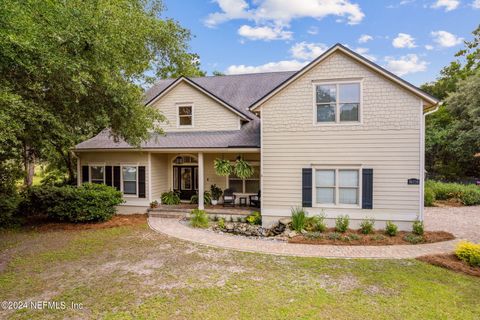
154,204
216,193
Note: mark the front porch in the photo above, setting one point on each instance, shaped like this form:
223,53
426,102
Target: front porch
182,210
192,174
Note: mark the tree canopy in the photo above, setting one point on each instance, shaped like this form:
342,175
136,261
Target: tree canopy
69,69
453,132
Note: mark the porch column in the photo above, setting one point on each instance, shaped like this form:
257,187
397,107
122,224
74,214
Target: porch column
201,185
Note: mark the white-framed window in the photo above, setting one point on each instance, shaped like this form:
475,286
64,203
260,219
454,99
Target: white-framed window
337,187
337,102
249,185
185,115
97,174
130,180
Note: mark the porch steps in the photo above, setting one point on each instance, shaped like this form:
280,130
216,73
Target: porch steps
170,215
172,212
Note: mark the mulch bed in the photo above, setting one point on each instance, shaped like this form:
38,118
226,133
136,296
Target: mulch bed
448,203
379,238
451,262
43,224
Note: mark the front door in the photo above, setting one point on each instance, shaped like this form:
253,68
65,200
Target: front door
185,181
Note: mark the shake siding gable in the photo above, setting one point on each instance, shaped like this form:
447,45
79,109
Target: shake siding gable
387,140
208,114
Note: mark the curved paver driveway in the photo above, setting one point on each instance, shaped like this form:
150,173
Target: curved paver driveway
463,222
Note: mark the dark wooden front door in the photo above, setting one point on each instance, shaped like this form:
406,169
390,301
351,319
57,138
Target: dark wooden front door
185,181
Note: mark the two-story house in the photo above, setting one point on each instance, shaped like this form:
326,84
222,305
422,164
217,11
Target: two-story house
341,136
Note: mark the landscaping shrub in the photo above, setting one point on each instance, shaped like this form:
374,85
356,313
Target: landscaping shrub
413,238
298,219
417,228
429,197
315,223
468,252
9,197
221,223
366,226
334,236
341,223
207,198
469,195
199,219
254,218
391,229
170,198
87,203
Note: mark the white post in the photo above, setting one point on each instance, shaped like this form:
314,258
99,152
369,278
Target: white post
149,182
201,185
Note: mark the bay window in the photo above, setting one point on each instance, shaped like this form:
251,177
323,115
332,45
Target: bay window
129,178
97,174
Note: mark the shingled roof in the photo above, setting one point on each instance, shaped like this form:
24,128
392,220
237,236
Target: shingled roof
239,91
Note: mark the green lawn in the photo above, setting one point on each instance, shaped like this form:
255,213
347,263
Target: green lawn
134,273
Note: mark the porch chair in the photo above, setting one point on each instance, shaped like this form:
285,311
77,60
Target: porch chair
228,198
255,200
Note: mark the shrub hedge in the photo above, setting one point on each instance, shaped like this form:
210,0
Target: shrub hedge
469,195
87,203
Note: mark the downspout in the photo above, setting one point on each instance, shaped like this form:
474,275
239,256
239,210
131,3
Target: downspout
422,157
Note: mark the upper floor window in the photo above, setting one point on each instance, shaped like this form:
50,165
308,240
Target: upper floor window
338,102
185,116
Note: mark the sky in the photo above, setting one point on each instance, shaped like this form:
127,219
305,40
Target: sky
412,38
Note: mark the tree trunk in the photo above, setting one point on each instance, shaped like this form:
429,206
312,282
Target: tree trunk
29,165
71,167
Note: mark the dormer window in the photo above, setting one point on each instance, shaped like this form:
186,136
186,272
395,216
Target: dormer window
185,116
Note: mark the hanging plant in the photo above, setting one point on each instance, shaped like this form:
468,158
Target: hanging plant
243,169
223,167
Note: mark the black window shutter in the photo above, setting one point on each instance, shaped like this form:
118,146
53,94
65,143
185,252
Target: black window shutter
307,187
85,172
367,189
141,182
108,176
116,177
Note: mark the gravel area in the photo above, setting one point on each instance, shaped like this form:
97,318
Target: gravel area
463,222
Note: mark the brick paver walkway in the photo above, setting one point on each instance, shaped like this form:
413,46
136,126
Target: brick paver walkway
463,222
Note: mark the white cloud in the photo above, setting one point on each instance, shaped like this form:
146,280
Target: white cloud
307,51
476,4
365,52
449,5
314,30
365,38
404,40
281,12
410,63
429,47
445,39
264,33
285,65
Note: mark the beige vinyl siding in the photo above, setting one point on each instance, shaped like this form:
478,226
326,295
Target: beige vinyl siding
159,163
117,159
387,140
208,115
